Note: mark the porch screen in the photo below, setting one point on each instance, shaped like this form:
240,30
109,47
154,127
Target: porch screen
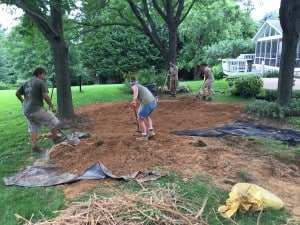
273,52
298,55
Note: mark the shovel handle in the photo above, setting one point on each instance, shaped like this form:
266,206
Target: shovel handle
136,117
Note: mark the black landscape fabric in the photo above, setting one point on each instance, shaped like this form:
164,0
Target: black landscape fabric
244,128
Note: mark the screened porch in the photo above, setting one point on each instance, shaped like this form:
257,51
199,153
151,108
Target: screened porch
267,56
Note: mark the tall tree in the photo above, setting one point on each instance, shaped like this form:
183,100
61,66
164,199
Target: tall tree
172,13
210,25
48,17
158,20
289,15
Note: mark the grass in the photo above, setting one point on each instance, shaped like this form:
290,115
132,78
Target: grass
267,146
43,201
99,93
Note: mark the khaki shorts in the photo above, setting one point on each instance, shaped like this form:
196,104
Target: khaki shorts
173,84
41,117
208,83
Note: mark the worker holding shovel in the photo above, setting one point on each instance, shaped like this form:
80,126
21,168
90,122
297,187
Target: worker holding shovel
208,82
173,73
147,104
35,92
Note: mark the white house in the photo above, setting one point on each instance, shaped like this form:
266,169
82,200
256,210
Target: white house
268,46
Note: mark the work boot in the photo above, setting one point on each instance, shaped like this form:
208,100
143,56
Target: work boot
151,134
58,140
209,99
36,149
203,98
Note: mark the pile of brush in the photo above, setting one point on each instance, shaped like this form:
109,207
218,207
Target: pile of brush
146,207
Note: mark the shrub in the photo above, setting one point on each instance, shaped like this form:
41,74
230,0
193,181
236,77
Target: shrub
272,109
145,76
296,94
269,95
4,86
245,85
218,72
271,73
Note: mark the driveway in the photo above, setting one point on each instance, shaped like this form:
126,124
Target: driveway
272,83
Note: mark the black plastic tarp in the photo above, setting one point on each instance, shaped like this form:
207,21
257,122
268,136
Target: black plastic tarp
244,128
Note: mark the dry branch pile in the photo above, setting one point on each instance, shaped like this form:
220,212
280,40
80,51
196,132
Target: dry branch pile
146,207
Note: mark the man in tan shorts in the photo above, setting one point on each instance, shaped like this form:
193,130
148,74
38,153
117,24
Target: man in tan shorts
208,82
35,91
173,73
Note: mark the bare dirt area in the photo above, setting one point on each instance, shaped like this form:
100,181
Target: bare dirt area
113,142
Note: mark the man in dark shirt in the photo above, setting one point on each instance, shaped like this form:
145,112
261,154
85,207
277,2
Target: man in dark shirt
35,91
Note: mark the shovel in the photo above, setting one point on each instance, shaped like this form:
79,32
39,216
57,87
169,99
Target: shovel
166,80
136,118
72,141
199,93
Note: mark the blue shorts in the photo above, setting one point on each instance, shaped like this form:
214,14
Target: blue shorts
146,110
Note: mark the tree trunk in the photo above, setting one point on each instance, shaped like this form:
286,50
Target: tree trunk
172,54
286,71
289,14
171,12
60,56
63,83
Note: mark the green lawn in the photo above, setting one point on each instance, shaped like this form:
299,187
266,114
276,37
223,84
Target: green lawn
43,201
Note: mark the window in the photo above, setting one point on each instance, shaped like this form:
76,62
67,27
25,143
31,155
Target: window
298,51
263,49
257,51
268,50
273,52
279,52
272,32
258,44
274,48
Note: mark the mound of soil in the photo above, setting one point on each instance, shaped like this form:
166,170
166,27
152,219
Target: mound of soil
113,142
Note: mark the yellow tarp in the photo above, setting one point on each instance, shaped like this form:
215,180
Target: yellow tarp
249,197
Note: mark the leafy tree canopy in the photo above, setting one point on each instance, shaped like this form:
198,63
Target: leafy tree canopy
210,22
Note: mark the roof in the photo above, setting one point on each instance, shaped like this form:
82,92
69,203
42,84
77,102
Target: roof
275,27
